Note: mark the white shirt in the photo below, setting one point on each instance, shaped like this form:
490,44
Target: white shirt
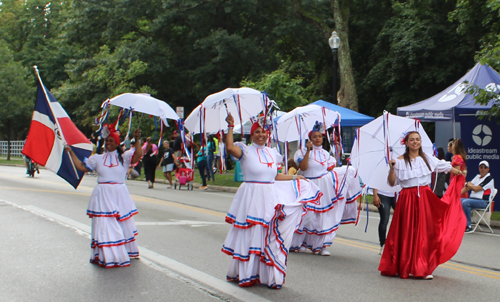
108,166
258,163
319,161
419,174
488,186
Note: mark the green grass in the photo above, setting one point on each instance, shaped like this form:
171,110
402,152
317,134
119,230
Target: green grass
12,161
495,216
224,179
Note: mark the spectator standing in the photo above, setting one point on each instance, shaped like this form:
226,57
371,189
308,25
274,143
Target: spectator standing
168,161
149,160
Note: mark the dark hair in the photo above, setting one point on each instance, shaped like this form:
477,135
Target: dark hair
120,152
459,149
292,163
440,153
421,153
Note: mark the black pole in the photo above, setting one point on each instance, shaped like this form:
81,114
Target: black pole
334,50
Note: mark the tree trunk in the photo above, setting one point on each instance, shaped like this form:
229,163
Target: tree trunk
346,96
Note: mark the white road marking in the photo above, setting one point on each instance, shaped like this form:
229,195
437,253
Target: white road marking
167,263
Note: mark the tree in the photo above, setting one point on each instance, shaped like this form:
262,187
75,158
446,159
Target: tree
347,96
417,54
479,23
16,96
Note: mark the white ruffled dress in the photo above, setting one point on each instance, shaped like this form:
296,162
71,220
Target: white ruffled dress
349,192
318,227
264,215
340,188
112,209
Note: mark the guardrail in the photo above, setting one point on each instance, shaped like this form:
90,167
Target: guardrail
15,148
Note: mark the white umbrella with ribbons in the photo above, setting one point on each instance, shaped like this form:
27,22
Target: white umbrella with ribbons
243,103
380,141
296,124
141,102
144,103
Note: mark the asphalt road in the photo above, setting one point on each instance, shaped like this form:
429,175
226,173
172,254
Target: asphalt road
45,234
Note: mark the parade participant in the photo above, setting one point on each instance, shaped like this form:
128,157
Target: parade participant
168,161
425,230
320,224
481,187
111,207
264,213
384,201
149,160
458,160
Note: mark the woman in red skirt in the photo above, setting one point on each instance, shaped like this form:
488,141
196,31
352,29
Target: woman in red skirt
425,231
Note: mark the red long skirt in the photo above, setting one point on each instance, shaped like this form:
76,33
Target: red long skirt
425,231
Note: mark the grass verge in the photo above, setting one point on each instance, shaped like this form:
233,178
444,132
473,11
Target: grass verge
225,179
12,161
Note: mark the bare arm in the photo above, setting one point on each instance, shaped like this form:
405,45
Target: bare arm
138,150
235,151
391,178
471,186
281,176
78,163
304,164
376,199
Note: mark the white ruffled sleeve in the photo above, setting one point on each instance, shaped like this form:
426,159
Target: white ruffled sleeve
90,162
127,156
279,157
244,150
299,156
440,164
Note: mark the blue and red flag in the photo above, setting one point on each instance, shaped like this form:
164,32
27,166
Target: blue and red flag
50,128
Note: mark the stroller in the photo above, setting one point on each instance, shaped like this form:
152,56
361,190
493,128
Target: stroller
184,175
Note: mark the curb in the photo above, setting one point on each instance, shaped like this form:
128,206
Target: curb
218,188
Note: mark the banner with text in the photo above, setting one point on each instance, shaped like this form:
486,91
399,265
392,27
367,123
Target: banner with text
482,142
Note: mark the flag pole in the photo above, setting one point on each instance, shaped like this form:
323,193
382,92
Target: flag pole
55,118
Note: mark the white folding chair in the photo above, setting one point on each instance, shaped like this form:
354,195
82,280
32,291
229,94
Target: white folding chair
481,212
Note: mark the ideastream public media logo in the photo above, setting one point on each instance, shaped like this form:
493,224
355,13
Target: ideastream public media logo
482,136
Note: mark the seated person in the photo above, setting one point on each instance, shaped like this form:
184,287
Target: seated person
480,187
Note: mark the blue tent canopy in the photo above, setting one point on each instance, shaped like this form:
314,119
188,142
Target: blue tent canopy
452,102
348,117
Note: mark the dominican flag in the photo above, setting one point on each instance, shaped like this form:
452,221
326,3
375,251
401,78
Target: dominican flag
50,128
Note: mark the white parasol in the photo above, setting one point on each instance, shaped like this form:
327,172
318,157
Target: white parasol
296,124
243,103
379,141
141,102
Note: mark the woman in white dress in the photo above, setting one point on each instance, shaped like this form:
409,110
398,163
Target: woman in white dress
264,213
111,206
319,226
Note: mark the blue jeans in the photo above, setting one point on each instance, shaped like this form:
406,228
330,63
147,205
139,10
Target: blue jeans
385,212
469,203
